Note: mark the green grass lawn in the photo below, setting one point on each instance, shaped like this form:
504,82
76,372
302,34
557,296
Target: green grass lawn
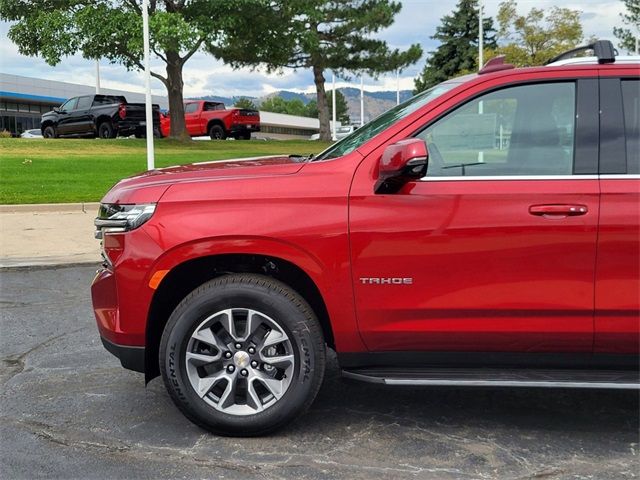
82,170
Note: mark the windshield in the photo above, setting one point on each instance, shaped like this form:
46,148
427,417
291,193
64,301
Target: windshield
388,118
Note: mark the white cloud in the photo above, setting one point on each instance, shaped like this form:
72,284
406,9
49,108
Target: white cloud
205,75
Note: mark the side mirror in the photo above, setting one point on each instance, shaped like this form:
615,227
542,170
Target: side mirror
56,109
400,163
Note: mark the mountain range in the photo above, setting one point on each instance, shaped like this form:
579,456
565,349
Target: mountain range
375,103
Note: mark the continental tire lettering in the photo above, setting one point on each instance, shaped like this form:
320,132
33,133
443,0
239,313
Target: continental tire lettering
172,373
306,363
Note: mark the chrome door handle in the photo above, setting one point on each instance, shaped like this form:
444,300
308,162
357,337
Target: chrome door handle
561,210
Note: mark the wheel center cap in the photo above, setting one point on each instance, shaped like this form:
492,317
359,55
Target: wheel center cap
241,359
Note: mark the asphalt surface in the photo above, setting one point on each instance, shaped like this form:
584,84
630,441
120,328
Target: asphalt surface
68,410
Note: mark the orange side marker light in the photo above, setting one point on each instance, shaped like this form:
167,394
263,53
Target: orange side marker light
156,278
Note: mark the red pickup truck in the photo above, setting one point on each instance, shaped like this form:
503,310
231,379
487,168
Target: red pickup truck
486,232
213,119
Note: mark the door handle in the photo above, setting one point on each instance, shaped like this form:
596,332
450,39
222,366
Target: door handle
558,210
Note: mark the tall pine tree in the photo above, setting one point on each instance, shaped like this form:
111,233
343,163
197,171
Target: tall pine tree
458,49
320,35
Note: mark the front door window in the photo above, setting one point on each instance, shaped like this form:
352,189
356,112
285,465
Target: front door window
524,130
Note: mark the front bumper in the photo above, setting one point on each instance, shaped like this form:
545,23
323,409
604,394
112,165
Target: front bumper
131,358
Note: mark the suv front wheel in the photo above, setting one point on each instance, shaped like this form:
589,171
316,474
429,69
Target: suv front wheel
242,355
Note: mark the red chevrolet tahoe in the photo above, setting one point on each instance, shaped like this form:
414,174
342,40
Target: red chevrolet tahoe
214,119
485,232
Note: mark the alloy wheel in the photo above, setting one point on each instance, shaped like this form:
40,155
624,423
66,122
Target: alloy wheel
240,361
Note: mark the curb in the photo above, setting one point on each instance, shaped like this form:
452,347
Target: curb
17,267
51,207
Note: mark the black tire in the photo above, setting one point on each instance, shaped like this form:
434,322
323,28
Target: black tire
50,132
106,130
245,136
293,316
216,132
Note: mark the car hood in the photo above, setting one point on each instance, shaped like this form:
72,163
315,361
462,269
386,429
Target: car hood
149,186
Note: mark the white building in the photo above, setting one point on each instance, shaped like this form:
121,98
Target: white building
23,100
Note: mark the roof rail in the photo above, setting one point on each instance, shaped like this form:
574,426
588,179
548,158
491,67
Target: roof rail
495,65
603,50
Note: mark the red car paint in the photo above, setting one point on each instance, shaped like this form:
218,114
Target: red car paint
201,115
489,271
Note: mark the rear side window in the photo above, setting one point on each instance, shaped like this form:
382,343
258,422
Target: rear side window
211,106
520,130
190,108
84,103
631,107
107,100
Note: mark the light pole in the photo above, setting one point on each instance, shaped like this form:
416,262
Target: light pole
361,100
480,36
333,105
147,84
97,77
398,87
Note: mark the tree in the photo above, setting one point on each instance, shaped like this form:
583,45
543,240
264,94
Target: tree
312,109
342,110
457,53
112,29
319,35
277,104
627,36
244,102
538,36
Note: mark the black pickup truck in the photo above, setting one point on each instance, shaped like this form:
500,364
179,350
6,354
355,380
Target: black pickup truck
106,116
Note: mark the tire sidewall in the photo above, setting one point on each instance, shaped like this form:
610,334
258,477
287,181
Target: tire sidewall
216,132
105,130
52,132
307,374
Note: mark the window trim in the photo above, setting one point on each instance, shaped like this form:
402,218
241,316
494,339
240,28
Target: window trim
613,147
583,165
627,159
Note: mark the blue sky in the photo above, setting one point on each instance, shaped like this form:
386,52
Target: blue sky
204,75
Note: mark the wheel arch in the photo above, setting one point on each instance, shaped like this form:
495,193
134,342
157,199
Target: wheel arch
188,275
103,118
47,123
215,121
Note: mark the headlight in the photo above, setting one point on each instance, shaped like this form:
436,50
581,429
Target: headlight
113,218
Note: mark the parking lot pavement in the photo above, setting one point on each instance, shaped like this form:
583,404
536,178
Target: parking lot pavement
68,410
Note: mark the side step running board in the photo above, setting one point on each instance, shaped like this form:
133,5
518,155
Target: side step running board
620,379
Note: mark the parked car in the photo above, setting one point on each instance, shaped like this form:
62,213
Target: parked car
105,116
34,133
215,120
421,248
341,132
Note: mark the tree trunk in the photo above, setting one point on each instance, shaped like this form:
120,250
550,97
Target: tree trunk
323,106
176,101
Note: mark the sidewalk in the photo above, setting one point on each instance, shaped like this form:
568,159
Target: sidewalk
50,234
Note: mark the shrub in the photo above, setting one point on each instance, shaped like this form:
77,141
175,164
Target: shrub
5,134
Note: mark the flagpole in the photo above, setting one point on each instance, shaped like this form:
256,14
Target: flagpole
97,77
480,36
147,84
333,99
361,101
